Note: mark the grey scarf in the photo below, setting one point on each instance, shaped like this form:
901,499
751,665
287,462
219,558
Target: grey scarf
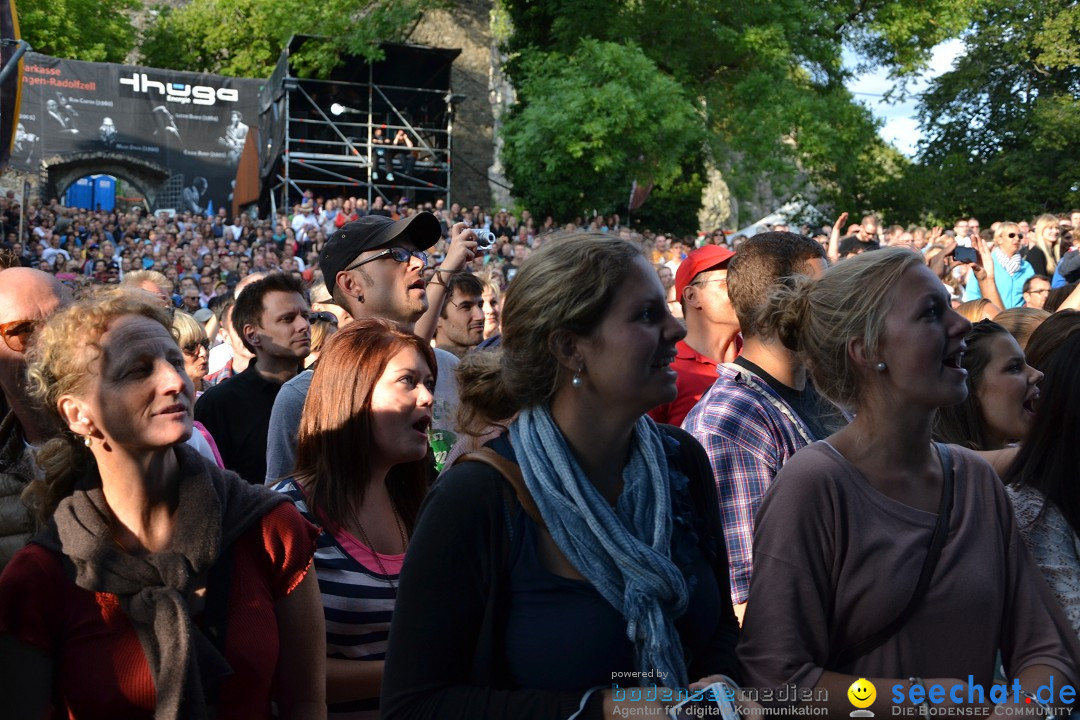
625,552
215,508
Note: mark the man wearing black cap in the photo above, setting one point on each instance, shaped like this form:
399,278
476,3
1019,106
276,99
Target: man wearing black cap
372,268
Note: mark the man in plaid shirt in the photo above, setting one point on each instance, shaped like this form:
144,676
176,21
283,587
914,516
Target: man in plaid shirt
761,409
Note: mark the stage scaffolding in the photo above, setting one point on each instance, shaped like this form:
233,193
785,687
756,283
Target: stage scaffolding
309,146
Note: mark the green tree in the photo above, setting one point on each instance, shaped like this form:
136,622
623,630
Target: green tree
1002,128
768,76
596,121
94,30
245,37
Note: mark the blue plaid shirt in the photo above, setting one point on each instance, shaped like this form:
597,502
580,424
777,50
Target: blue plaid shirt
749,432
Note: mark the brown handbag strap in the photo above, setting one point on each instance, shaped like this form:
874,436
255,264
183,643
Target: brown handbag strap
509,470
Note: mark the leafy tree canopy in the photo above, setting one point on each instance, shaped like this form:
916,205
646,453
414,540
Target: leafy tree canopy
245,37
768,76
94,30
596,120
1002,129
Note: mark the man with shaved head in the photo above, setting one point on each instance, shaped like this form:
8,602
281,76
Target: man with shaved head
27,298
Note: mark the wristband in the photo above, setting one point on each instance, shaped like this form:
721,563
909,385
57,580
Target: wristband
924,706
1048,712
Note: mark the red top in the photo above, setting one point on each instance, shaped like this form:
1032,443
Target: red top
696,374
99,668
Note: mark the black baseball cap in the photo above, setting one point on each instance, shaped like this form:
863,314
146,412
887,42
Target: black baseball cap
374,231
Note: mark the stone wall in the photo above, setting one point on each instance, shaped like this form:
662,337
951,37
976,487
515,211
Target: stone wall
468,26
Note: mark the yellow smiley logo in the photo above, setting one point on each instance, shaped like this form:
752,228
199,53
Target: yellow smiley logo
862,693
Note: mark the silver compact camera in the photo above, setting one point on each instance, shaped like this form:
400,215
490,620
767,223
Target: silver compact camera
484,238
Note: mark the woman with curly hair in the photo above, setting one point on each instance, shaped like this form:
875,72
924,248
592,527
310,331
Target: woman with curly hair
163,587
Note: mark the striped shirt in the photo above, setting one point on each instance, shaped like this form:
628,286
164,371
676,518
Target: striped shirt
358,601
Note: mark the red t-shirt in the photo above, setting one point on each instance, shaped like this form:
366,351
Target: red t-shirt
695,374
99,669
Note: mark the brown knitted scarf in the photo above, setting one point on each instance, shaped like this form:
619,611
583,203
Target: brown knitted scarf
215,508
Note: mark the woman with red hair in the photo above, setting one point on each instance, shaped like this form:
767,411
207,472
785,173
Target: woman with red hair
361,474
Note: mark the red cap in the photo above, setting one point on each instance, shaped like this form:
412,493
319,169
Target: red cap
707,257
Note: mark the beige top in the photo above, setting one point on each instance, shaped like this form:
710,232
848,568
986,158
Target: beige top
1054,546
836,560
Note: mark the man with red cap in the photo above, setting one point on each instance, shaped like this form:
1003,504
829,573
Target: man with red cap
762,407
712,329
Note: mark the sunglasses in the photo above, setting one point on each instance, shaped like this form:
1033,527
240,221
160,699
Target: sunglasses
192,349
17,334
1014,235
400,254
326,317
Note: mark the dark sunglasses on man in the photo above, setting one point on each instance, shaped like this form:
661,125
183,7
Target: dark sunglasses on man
400,254
17,334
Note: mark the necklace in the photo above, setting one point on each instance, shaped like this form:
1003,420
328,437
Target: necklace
371,548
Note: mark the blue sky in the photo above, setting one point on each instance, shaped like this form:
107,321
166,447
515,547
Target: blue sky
900,126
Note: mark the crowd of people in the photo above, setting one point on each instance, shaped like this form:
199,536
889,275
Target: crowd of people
348,462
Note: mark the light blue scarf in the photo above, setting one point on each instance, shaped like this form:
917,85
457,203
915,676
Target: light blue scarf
626,552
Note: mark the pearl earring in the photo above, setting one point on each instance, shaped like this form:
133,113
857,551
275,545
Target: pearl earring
881,366
576,381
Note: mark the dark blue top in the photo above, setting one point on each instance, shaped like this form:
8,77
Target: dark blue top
562,633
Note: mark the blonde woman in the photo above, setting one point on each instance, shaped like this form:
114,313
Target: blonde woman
191,337
1045,247
878,499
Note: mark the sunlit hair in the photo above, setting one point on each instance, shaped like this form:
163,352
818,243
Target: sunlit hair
321,331
62,361
1021,322
336,444
1049,456
818,318
1004,229
186,329
1050,336
976,310
963,424
135,279
1052,251
540,303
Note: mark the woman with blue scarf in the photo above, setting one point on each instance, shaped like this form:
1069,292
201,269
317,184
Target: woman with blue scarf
575,567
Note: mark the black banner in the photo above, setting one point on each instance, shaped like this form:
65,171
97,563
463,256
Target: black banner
9,90
192,124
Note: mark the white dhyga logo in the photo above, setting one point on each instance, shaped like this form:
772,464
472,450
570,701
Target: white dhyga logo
181,92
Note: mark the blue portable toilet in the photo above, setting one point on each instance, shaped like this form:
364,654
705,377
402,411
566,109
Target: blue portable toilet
92,192
80,194
104,192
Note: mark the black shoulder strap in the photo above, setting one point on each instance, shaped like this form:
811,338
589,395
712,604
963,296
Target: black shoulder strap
844,658
512,472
